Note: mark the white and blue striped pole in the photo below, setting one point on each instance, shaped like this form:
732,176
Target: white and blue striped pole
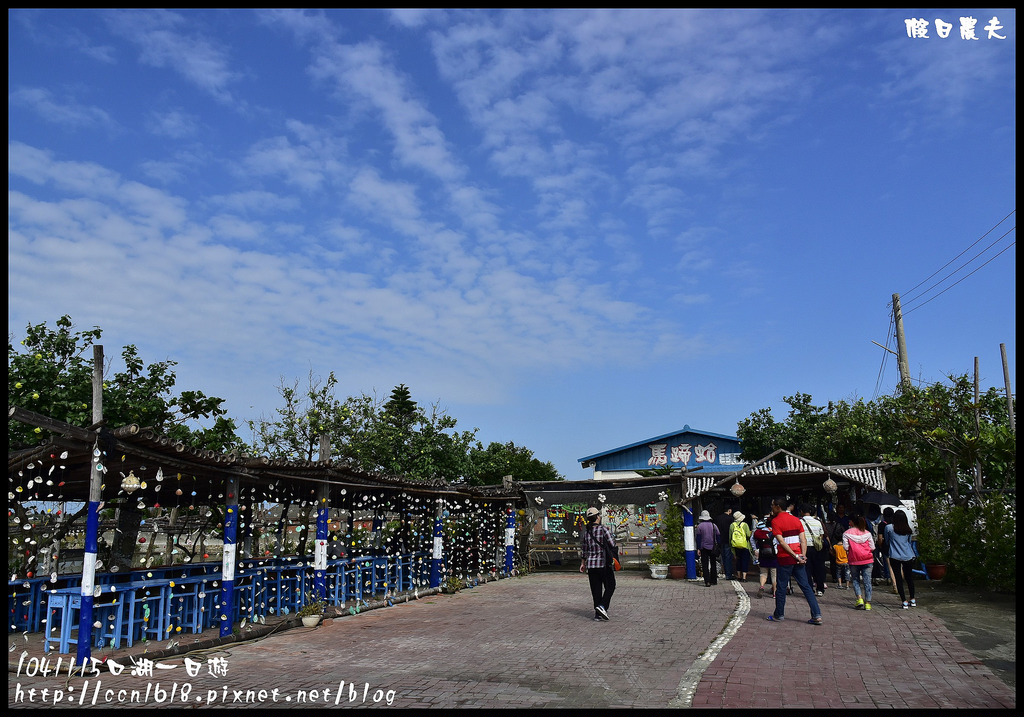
510,541
92,520
320,546
227,583
320,550
689,543
437,559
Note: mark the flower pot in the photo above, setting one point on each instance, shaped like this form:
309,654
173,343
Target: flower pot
677,572
936,571
311,620
658,572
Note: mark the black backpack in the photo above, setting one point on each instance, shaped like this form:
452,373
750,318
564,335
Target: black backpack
765,548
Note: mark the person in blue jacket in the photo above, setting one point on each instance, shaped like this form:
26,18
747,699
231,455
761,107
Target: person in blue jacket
899,539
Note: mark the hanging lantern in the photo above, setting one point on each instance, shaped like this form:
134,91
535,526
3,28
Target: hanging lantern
737,489
830,486
131,483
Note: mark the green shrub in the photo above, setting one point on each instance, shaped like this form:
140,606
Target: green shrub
976,541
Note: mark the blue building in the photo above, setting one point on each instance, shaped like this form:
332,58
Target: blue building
710,453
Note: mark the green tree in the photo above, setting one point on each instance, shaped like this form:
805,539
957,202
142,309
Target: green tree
944,440
307,414
50,372
396,437
491,464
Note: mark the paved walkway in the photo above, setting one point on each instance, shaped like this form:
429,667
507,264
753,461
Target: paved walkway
531,643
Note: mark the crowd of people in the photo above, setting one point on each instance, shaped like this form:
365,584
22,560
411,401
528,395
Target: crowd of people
789,545
792,546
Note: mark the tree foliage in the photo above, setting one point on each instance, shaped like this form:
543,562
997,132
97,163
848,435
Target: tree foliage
396,437
930,432
498,460
50,372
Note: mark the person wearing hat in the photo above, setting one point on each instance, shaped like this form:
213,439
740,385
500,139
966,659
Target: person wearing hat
739,541
708,536
594,563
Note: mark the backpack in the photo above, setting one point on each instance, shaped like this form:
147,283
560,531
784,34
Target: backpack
737,536
860,553
765,548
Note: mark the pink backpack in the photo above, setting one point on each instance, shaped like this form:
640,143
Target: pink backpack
860,553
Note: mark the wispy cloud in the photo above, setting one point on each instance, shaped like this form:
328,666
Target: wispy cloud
164,40
68,112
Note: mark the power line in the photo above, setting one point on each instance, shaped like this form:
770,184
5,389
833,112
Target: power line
885,356
912,298
1009,246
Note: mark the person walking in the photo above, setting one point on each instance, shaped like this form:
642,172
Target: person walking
739,545
723,520
816,547
902,557
766,559
600,571
708,537
791,547
860,548
888,574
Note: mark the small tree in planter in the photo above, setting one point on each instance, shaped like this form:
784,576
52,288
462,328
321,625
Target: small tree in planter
672,530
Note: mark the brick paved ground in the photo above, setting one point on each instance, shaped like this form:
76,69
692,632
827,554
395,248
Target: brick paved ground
531,642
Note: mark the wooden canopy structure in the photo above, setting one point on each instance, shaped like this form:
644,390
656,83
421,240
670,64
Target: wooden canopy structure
144,471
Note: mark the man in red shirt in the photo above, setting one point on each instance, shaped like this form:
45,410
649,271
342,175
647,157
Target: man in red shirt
792,556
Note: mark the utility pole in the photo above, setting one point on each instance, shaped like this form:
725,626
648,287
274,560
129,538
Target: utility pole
977,423
1009,394
901,343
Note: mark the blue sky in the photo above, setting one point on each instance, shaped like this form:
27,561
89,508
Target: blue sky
570,229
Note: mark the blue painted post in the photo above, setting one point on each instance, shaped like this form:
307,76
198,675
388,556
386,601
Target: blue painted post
92,530
320,549
227,583
510,541
92,521
689,543
320,546
437,560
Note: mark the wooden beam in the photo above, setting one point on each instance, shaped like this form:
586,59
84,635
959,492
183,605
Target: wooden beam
23,415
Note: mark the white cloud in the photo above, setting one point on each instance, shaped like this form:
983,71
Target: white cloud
162,43
175,124
69,113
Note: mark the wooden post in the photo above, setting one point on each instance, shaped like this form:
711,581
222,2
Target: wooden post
977,426
1009,394
901,342
92,520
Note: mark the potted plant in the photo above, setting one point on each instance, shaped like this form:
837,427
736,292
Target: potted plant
312,612
657,562
933,544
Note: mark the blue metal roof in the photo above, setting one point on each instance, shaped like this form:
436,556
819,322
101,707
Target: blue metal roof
685,429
